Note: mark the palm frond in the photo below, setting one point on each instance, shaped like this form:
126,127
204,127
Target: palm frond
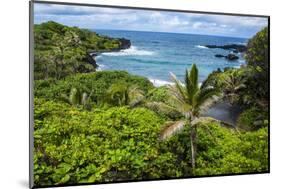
181,105
205,94
160,107
171,128
193,77
188,83
136,96
74,96
206,99
84,99
178,90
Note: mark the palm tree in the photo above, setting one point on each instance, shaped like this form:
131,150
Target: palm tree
191,99
122,94
77,98
232,83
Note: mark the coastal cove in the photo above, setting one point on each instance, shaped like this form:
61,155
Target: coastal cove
154,55
140,59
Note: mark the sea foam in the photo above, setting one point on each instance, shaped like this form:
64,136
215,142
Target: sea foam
159,83
132,51
201,47
100,67
238,43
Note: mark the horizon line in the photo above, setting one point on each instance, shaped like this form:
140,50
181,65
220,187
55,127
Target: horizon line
182,33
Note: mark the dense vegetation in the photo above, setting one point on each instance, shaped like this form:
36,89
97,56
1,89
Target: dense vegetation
61,50
110,125
97,83
77,146
248,86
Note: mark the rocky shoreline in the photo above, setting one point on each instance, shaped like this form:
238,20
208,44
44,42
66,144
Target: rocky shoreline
125,44
235,48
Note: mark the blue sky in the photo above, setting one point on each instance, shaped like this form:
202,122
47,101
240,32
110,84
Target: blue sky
147,20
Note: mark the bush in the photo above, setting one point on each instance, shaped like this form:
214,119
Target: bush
76,146
95,83
122,144
257,56
257,53
253,119
225,151
159,94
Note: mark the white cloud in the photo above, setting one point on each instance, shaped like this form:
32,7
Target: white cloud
115,18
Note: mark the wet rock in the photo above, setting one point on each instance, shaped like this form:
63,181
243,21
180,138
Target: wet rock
219,56
231,57
235,47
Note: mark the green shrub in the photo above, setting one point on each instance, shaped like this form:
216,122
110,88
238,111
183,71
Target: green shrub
76,146
225,151
95,83
159,94
257,56
257,53
253,119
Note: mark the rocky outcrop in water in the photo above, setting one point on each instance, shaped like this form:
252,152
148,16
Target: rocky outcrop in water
231,57
228,57
125,43
91,60
235,47
219,56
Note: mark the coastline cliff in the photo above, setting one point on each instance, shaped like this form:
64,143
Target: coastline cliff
62,50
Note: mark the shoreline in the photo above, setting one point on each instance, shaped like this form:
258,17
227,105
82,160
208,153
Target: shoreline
91,55
155,81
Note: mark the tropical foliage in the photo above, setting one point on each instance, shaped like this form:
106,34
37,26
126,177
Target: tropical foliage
111,126
97,146
253,119
191,100
120,144
248,85
61,50
97,84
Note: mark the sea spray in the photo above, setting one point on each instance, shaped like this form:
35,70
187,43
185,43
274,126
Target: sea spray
132,51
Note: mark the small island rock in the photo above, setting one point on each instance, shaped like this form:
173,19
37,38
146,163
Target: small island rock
231,57
219,56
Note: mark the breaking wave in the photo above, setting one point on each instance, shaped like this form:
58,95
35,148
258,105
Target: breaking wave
201,47
132,51
159,83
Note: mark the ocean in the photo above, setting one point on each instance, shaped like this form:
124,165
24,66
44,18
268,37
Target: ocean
154,54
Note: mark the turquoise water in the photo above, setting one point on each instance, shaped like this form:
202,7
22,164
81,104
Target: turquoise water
154,55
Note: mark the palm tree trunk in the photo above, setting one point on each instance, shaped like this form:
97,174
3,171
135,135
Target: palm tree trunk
193,144
193,141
